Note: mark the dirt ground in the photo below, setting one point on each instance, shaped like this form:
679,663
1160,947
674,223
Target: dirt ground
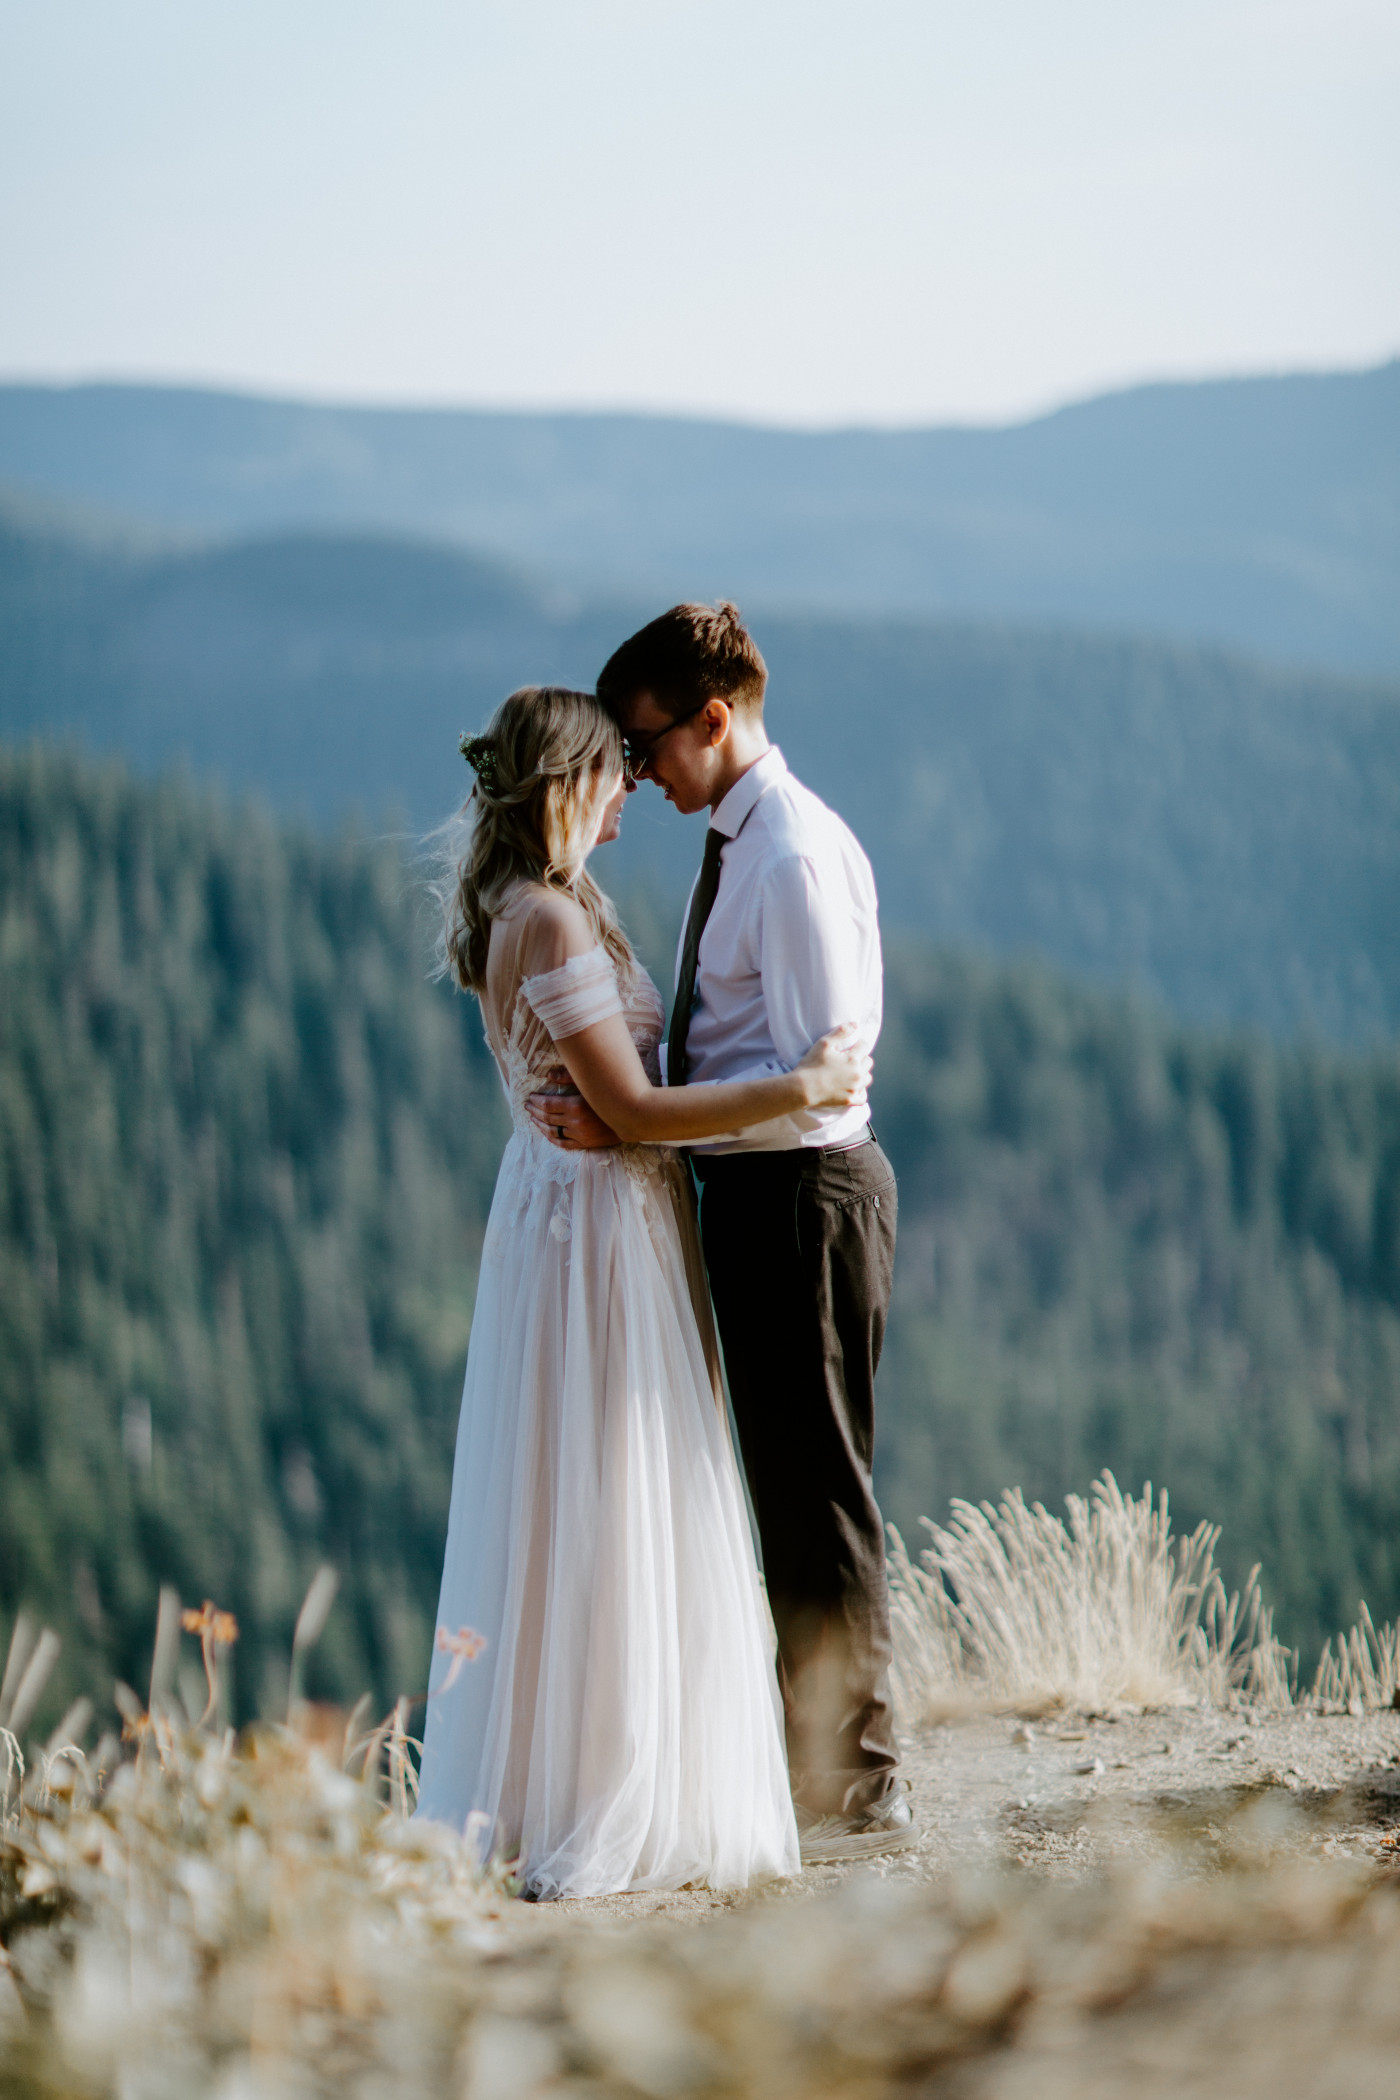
1073,1796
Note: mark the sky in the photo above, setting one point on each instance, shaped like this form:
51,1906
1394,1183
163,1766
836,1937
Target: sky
897,211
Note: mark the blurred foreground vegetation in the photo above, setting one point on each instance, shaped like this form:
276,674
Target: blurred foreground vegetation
246,1151
245,1918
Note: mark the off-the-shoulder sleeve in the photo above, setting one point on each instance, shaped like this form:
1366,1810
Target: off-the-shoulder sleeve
581,991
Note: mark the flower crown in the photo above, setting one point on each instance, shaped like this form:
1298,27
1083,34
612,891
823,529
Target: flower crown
480,754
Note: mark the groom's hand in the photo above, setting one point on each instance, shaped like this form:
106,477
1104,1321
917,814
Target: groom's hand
571,1115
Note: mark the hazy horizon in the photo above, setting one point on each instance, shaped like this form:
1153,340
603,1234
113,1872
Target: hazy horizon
306,397
781,216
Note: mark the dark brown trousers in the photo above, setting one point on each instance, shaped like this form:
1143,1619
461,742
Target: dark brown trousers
800,1252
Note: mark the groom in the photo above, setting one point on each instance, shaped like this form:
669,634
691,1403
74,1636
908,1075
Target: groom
797,1216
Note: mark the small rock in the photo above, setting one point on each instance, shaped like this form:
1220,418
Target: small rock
1023,1735
1089,1767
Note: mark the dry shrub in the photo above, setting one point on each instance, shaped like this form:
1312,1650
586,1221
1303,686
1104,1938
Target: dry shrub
1009,1606
190,1912
216,1913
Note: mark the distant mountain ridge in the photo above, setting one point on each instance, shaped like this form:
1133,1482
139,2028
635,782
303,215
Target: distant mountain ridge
1263,513
1225,836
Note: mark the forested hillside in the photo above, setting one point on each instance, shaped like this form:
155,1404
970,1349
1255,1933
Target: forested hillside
1224,835
1261,512
1123,1244
245,1153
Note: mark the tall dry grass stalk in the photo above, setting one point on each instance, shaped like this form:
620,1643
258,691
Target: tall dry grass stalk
1010,1606
1362,1670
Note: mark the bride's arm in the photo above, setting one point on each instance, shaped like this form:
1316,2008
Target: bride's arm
603,1063
602,1059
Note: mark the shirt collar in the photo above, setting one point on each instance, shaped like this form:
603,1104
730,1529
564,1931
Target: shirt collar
734,811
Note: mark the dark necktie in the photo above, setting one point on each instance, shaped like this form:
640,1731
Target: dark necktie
701,905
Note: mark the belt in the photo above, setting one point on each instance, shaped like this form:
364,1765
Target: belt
705,1163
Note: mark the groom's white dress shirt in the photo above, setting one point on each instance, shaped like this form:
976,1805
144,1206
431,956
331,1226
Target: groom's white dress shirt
791,948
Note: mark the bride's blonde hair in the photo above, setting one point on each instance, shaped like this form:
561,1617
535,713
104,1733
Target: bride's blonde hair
543,768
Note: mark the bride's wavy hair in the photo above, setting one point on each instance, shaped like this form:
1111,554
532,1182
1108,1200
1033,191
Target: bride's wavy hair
543,767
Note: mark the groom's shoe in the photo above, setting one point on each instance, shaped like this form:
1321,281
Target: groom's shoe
887,1826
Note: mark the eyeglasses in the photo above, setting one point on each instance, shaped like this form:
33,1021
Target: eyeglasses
636,755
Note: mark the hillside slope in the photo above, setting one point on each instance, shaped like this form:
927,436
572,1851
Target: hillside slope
1224,835
1124,1244
1264,512
245,1157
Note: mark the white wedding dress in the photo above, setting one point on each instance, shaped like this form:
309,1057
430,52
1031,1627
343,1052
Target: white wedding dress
622,1727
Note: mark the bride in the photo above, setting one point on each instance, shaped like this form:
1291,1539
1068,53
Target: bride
621,1728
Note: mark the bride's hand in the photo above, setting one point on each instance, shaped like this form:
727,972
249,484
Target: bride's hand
837,1068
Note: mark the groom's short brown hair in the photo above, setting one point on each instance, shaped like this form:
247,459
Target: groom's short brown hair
689,655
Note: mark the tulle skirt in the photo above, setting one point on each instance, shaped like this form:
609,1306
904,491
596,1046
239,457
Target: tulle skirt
621,1729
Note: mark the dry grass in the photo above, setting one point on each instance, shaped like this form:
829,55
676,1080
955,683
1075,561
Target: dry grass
884,1990
1361,1670
186,1911
214,1914
1010,1606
